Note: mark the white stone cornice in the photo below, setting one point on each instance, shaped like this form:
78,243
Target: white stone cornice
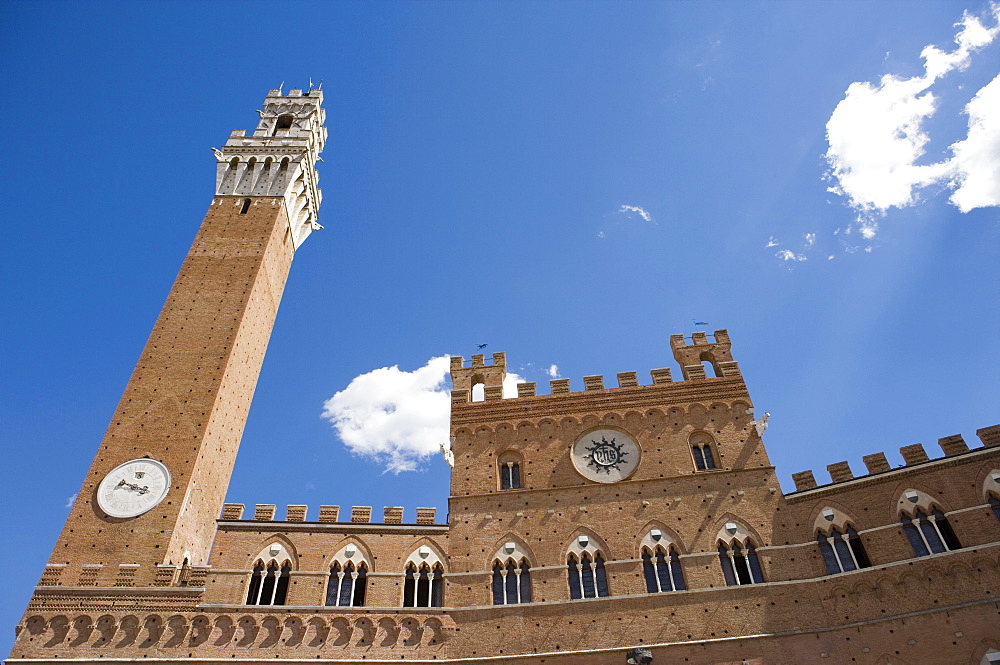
279,158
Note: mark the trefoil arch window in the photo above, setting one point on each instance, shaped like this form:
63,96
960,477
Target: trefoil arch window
511,582
739,563
423,585
929,532
347,585
661,567
587,576
842,550
269,585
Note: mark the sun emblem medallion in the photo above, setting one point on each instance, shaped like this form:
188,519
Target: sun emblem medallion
605,455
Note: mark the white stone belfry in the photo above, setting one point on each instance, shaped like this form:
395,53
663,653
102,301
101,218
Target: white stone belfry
279,159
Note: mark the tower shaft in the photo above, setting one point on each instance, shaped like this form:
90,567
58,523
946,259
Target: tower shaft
187,401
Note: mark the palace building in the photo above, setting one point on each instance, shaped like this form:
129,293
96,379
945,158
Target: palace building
640,522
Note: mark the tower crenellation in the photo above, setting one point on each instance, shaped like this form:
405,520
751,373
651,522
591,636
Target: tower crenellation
279,159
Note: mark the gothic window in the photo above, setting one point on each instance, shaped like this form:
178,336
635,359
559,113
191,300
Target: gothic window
510,475
701,449
995,504
929,533
422,585
511,582
662,569
587,576
842,551
269,586
739,563
346,587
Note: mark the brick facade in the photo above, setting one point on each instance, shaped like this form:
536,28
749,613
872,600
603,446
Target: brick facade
684,470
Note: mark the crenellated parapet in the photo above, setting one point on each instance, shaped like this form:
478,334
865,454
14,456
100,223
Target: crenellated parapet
279,158
265,512
913,455
717,353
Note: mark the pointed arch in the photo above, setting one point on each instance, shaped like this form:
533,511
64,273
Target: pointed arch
840,545
585,557
287,550
423,576
737,544
511,572
661,565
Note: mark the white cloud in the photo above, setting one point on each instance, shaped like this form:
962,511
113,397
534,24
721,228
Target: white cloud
397,418
789,255
772,242
553,371
810,239
638,210
876,134
71,500
868,227
977,159
600,234
394,417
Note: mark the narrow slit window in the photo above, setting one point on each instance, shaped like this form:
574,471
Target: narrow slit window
245,207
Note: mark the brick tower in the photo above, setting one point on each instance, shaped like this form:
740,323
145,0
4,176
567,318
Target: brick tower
182,415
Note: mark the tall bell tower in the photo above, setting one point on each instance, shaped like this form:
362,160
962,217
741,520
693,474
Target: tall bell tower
150,499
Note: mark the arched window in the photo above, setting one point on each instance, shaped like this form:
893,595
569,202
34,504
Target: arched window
269,586
510,472
347,584
511,582
929,533
284,122
739,563
662,569
842,551
422,586
995,504
587,576
253,593
701,450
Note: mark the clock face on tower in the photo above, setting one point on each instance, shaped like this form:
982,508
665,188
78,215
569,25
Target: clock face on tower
133,488
605,455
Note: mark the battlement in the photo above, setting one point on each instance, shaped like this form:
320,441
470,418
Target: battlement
913,455
690,356
265,512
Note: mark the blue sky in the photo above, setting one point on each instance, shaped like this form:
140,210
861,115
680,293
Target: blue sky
567,182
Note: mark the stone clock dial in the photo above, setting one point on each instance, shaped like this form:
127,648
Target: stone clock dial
605,455
133,488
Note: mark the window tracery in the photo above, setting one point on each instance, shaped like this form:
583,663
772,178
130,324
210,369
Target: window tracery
842,550
661,568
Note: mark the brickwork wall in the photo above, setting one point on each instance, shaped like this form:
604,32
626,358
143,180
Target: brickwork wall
187,400
384,547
